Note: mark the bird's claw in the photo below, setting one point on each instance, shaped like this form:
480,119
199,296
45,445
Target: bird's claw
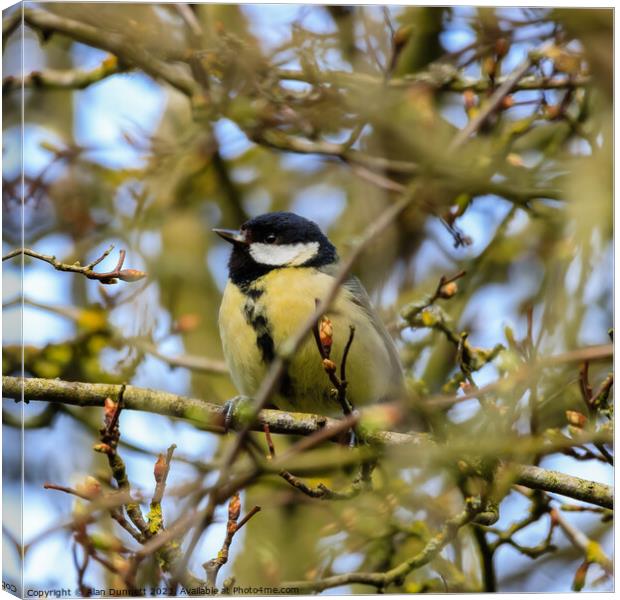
229,409
354,439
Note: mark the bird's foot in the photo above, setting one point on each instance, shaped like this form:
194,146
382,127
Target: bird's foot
230,408
352,443
354,439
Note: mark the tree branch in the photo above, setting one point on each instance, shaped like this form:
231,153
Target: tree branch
559,483
209,416
441,77
115,43
371,168
71,79
591,549
10,23
109,277
396,575
200,364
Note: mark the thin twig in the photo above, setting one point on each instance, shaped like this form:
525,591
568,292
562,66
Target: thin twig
71,79
491,105
109,436
162,468
80,568
187,14
448,80
155,518
345,356
397,574
269,440
66,490
213,566
108,277
200,364
323,336
591,549
321,491
592,353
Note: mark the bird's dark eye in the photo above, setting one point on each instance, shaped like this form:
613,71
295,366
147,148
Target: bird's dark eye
271,238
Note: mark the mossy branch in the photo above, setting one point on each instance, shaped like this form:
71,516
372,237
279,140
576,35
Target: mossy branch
397,575
70,79
115,43
209,416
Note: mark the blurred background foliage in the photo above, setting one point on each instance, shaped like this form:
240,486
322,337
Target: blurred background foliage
146,125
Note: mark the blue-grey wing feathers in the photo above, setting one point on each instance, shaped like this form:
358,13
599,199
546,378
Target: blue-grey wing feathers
360,297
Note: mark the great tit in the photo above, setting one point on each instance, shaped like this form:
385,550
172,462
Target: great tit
281,264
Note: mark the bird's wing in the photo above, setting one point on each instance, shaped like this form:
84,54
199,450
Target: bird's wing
361,298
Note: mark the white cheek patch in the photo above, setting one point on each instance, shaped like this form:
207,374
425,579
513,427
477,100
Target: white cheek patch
292,255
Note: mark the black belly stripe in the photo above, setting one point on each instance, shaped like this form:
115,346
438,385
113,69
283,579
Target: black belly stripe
255,317
265,344
287,389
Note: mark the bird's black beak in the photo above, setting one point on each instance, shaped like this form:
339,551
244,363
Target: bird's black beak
232,235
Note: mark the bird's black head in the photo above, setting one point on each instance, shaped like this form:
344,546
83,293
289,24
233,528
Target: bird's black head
273,241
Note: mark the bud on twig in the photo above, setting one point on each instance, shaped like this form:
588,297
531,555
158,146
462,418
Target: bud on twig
109,408
469,99
90,487
507,102
448,290
465,386
580,576
463,466
514,159
553,111
186,323
501,47
554,517
103,448
329,365
110,62
489,66
576,418
400,39
326,334
131,275
234,507
159,470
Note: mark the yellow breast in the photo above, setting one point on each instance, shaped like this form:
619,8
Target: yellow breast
286,298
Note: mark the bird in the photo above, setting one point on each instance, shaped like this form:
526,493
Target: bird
280,266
